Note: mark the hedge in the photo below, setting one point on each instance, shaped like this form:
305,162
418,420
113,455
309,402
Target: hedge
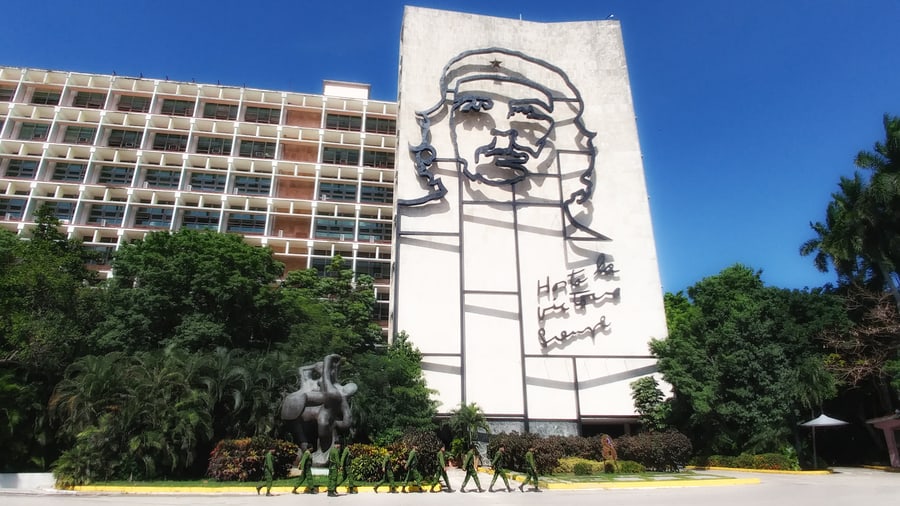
657,451
547,451
773,461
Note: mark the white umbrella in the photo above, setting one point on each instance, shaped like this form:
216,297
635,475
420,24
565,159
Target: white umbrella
822,420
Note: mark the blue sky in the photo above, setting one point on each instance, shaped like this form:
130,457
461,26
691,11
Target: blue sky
748,111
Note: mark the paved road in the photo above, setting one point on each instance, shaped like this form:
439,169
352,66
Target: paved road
852,487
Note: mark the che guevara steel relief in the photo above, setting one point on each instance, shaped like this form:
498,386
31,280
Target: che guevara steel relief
515,124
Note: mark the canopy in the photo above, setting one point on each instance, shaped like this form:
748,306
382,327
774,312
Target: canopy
823,420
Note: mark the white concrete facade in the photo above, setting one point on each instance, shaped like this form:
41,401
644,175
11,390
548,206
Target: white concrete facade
525,265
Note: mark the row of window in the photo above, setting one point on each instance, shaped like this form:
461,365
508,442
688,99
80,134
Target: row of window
237,222
199,181
152,178
153,217
205,145
334,228
211,110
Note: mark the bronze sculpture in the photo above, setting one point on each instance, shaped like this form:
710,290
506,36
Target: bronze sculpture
323,400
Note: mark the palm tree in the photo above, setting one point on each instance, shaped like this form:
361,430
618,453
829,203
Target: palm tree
861,233
883,200
466,421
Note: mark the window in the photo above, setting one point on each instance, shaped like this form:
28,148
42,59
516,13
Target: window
153,217
257,149
89,100
68,172
381,126
378,270
6,93
262,115
62,210
332,228
79,135
341,156
381,312
382,159
337,191
155,178
214,145
170,142
106,214
177,107
379,194
220,111
21,168
100,255
12,209
204,182
125,139
197,219
372,231
34,132
245,223
252,185
129,103
45,97
110,174
343,122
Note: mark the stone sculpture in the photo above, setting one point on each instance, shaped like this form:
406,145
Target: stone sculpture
321,401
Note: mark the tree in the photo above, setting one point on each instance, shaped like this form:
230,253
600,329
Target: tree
465,422
860,238
742,360
197,290
333,312
393,397
42,286
142,415
861,233
649,403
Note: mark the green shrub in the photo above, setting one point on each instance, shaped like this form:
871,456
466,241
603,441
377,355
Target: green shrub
243,459
610,466
458,450
366,465
774,461
428,444
657,451
630,467
567,465
583,469
547,451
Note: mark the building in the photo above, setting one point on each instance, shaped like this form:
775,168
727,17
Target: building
512,242
309,176
526,269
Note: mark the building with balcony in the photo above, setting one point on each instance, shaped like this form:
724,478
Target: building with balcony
309,176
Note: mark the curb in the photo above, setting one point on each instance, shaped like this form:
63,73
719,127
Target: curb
250,490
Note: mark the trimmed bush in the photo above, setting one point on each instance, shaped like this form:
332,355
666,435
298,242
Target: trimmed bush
774,461
630,467
428,444
657,451
243,459
366,465
547,451
583,469
567,465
